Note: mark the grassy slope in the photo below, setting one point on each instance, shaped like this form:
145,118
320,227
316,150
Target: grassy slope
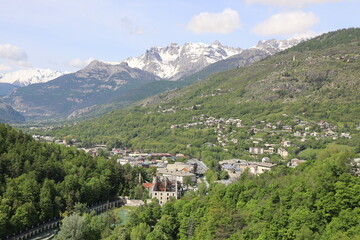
318,79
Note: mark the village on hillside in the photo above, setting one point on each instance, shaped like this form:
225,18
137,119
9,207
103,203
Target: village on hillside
267,145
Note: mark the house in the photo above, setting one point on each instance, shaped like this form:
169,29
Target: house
283,152
285,143
323,124
270,150
178,176
139,155
256,150
297,134
181,167
160,155
345,135
263,167
164,189
330,133
287,128
295,162
314,134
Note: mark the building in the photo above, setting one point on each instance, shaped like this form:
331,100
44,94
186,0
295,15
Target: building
235,167
178,176
256,150
285,143
295,162
271,150
181,167
164,189
262,167
283,152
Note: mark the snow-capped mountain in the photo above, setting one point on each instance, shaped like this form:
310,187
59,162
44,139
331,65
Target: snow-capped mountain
30,76
273,46
174,61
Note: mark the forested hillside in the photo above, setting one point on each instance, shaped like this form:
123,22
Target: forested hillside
40,181
317,200
317,80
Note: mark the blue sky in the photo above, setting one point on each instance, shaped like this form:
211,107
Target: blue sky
67,34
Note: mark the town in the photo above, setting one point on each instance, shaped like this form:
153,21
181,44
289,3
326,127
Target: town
267,145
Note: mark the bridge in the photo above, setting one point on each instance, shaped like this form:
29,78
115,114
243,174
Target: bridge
55,224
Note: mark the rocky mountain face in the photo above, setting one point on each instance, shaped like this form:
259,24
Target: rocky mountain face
174,61
29,76
98,83
101,86
6,88
273,46
262,50
8,114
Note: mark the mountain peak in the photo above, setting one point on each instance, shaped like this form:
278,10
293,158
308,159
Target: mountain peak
174,61
273,46
216,43
30,76
95,63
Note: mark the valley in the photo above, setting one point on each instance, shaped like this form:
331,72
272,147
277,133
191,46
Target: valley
261,143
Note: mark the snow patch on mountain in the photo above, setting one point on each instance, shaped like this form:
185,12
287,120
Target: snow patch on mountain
273,46
30,76
174,61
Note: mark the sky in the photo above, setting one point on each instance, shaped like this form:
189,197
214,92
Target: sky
66,35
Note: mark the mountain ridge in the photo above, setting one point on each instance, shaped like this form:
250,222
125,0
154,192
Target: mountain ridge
30,76
9,114
101,86
316,84
96,84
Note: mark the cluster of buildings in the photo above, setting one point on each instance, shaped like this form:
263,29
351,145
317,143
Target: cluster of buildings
205,121
174,109
235,167
159,160
172,180
269,148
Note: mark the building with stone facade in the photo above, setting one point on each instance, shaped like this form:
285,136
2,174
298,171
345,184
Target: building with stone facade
164,189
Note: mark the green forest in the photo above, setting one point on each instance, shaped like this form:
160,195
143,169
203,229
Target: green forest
318,200
41,181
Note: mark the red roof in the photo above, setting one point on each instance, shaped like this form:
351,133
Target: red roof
148,185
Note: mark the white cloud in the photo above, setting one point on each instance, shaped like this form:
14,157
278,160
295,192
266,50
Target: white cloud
219,23
290,3
12,52
288,23
4,67
78,63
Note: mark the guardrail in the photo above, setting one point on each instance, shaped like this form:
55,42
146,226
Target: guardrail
56,223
